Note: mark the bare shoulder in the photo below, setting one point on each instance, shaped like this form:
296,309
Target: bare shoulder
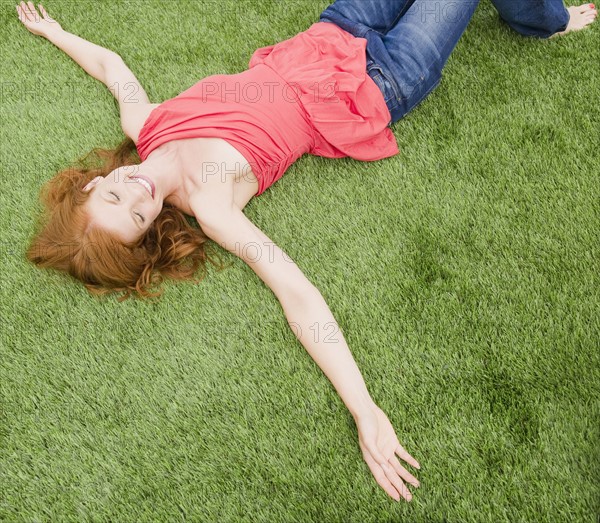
134,118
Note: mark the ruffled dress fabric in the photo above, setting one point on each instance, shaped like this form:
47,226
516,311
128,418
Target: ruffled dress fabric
326,67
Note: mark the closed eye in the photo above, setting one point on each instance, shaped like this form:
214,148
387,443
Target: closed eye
117,197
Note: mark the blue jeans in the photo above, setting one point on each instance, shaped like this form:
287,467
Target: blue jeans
409,41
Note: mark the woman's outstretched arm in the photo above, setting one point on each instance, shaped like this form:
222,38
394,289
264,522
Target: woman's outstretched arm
101,63
88,55
314,325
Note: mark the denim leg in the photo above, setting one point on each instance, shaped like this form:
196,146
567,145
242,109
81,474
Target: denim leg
541,18
359,16
406,63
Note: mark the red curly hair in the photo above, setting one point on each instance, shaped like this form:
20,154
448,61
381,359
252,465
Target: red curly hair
171,247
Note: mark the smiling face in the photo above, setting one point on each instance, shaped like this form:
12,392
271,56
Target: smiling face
123,202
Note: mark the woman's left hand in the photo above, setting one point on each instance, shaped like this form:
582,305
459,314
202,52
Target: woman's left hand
379,445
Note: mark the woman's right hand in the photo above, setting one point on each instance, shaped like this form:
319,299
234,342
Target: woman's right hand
36,23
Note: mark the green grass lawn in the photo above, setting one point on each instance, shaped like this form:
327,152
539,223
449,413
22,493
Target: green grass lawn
464,274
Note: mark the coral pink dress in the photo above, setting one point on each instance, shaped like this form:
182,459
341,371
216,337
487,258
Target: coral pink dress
308,94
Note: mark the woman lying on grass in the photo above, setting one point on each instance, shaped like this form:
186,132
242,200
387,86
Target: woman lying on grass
333,90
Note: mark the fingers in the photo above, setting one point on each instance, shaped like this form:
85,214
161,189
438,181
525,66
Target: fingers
27,12
403,473
24,13
382,478
395,480
43,11
406,456
388,477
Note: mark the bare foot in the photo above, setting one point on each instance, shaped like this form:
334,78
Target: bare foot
580,17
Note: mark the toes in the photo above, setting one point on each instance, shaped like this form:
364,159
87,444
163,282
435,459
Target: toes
584,8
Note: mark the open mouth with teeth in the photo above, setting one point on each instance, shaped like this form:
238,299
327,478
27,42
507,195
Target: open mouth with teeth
145,182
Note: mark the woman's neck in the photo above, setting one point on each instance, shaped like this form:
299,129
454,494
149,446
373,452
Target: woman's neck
163,168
